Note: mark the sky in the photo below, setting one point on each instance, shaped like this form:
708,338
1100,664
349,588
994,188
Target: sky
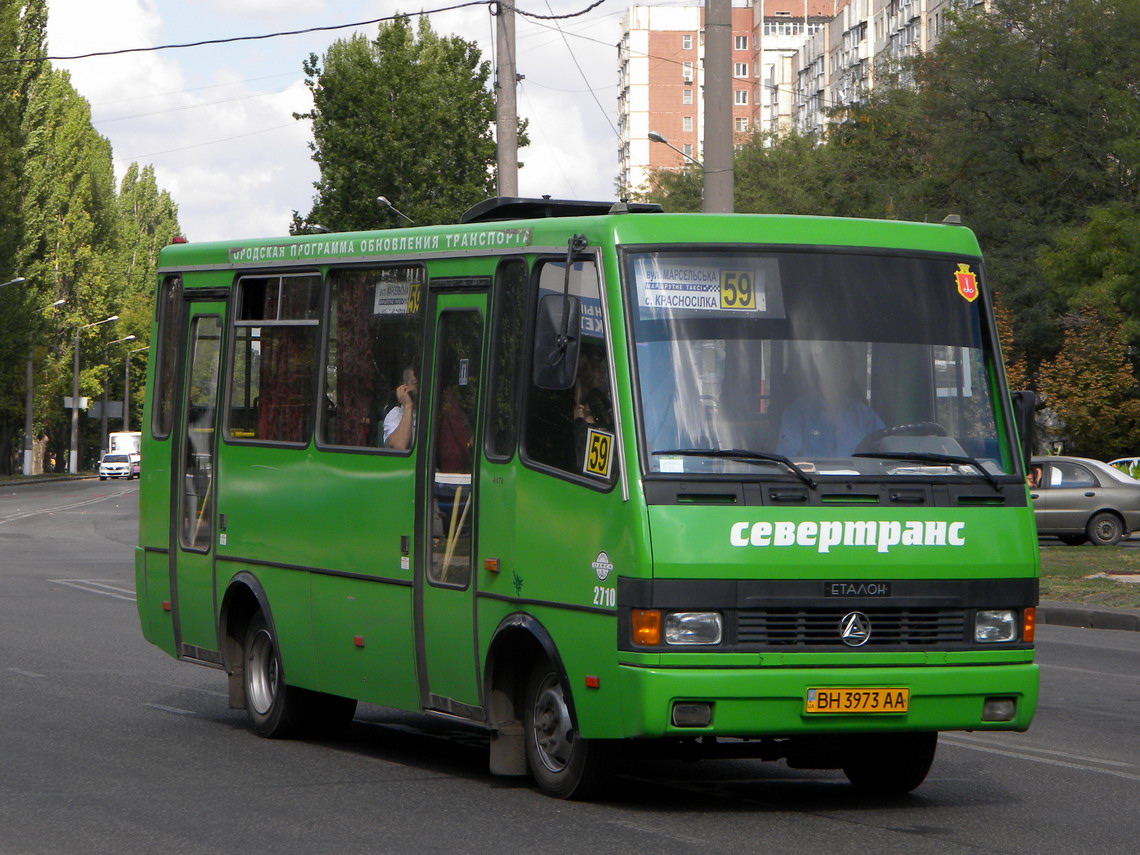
216,121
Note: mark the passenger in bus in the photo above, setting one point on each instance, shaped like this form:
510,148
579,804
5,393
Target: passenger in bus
592,406
454,438
400,421
829,417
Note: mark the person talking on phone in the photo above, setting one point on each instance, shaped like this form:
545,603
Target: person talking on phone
400,423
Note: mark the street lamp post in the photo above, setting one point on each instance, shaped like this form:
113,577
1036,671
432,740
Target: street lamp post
658,138
28,402
19,280
73,454
127,386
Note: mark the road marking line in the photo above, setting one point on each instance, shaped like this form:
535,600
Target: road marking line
960,743
58,508
175,710
1090,673
982,741
98,586
24,673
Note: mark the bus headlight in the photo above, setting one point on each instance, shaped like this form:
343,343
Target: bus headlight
693,628
995,625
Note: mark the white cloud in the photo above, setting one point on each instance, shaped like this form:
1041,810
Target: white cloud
217,123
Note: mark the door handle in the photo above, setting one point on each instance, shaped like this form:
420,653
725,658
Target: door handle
1034,496
1090,494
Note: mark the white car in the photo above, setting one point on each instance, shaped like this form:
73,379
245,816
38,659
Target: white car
116,466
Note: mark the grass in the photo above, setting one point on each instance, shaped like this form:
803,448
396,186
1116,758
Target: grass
1066,572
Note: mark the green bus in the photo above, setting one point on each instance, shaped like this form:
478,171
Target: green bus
596,477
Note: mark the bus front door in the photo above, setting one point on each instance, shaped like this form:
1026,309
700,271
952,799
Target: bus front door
445,630
194,489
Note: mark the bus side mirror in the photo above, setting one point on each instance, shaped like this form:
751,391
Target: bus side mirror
1025,406
556,332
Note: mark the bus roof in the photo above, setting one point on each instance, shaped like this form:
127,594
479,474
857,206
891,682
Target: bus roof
486,235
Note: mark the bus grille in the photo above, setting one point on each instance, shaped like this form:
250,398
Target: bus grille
896,627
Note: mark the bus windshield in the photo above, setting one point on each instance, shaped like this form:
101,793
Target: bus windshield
840,362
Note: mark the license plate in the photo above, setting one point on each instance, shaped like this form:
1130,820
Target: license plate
880,700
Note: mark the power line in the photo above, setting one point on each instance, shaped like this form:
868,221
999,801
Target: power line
306,31
577,65
233,39
553,17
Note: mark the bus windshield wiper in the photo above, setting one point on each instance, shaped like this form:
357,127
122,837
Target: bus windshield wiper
742,455
934,457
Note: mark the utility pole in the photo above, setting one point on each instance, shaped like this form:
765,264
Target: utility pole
506,108
718,179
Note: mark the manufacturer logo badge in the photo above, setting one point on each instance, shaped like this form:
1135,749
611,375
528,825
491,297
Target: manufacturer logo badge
855,629
602,566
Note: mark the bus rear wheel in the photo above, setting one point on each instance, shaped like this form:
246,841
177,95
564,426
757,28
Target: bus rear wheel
277,710
889,764
268,698
562,763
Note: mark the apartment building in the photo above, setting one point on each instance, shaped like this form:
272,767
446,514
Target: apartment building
793,62
661,79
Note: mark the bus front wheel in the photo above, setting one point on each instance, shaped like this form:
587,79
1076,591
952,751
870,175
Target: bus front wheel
889,764
562,763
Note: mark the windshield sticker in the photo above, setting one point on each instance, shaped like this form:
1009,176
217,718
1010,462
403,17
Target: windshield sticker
702,285
967,283
599,444
823,535
685,286
396,298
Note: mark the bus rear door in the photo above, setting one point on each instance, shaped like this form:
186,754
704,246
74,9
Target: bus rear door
445,581
193,485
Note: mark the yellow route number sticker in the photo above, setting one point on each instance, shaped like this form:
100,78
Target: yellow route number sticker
737,290
599,452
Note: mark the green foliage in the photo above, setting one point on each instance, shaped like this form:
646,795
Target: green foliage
1098,263
72,238
407,115
1088,384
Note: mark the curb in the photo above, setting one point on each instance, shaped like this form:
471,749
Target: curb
1091,617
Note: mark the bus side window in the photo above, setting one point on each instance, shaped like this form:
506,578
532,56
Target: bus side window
375,341
273,375
507,340
562,424
170,319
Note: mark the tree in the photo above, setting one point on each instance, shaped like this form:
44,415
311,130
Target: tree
1098,264
148,221
22,28
1090,385
1033,110
70,227
407,115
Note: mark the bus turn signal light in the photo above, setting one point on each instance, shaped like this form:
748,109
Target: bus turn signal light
647,627
1028,624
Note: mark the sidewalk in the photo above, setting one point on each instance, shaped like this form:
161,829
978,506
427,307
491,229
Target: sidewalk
1094,617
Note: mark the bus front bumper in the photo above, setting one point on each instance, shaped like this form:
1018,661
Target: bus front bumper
774,702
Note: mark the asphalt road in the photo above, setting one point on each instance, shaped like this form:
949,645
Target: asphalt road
107,745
